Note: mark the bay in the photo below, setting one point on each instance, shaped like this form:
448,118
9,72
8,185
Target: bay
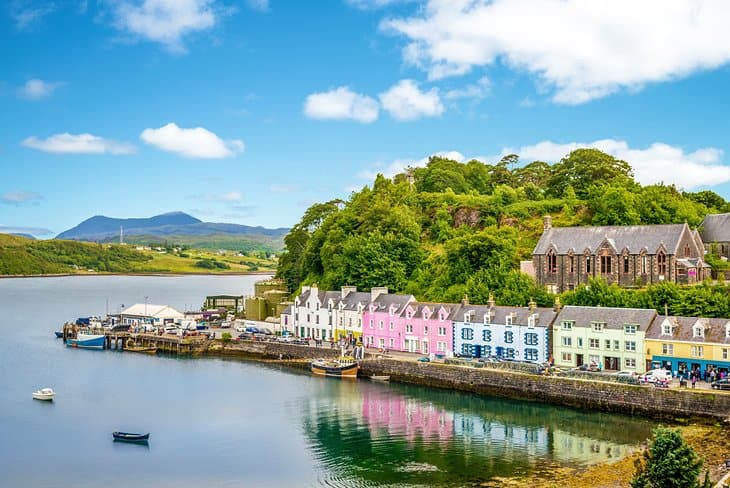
217,422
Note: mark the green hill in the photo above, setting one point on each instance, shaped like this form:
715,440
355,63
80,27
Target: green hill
452,229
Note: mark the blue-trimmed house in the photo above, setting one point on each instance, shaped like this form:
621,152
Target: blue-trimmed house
517,333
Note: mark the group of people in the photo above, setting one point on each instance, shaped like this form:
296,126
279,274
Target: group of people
695,375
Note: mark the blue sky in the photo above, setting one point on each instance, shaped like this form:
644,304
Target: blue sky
248,111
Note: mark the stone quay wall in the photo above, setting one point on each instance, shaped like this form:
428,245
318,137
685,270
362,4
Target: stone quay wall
583,394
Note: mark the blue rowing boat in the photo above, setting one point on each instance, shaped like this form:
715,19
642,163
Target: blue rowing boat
129,437
87,341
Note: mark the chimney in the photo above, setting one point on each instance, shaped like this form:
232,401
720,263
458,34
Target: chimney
547,223
377,291
491,301
305,288
314,290
557,305
532,305
465,300
346,290
666,309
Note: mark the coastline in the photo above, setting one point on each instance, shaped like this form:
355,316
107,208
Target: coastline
145,273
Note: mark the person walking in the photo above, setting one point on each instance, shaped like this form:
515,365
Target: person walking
694,380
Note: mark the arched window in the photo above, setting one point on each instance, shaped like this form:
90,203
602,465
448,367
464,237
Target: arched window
661,261
686,251
552,262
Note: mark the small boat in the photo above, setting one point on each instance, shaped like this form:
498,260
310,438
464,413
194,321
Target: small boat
380,378
45,394
87,341
142,349
59,335
129,437
343,367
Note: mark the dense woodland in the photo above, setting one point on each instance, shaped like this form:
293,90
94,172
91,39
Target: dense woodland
452,229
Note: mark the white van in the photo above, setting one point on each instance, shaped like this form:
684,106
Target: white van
658,374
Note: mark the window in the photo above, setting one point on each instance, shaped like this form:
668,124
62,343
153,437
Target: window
566,325
296,316
594,343
571,264
643,264
630,329
580,342
409,328
667,349
508,320
467,349
667,329
567,356
380,325
698,351
309,319
727,331
531,354
661,262
626,264
531,339
316,319
487,336
486,350
724,354
606,264
390,325
608,344
567,341
467,334
349,322
371,323
686,251
588,264
382,343
441,346
630,363
630,346
597,326
698,331
442,331
616,346
391,343
531,320
425,330
509,337
329,321
552,262
509,353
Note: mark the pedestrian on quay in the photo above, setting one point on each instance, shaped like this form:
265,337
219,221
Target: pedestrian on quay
694,380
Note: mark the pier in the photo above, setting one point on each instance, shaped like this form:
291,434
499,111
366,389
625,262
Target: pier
119,340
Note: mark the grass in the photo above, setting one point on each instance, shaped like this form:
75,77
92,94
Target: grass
171,263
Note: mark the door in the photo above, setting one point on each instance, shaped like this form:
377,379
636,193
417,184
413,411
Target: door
425,347
611,363
579,360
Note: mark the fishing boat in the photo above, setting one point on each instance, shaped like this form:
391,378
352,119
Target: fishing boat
129,437
87,341
379,378
343,367
45,394
59,335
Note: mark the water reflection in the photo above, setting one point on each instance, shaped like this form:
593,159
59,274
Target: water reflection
364,434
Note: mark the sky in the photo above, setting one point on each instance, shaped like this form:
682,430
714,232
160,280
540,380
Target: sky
249,111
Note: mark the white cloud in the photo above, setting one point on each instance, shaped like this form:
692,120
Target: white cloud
20,197
231,196
373,4
582,50
78,144
13,229
197,142
477,91
260,5
399,165
341,104
38,89
405,101
26,13
165,21
659,162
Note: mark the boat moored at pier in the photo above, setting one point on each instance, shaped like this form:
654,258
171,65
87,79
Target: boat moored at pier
343,367
87,341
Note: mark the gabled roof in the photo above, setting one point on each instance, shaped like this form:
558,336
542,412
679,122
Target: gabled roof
150,310
683,329
383,302
352,299
631,237
716,228
498,314
418,307
615,318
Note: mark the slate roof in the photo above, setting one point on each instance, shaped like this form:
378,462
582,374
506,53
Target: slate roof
545,316
683,329
287,310
383,302
451,309
632,237
615,318
716,228
323,296
354,298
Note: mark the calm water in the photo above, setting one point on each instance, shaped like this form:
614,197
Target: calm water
229,423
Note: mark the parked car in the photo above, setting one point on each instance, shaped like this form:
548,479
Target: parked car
240,328
225,325
586,367
626,373
663,375
252,330
723,384
423,359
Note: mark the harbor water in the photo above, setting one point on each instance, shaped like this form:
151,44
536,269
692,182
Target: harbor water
228,423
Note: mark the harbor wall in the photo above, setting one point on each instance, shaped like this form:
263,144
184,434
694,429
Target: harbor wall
578,393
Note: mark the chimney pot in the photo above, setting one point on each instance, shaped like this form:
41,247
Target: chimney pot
547,222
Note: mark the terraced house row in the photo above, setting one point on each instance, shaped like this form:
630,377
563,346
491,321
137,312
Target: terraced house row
609,338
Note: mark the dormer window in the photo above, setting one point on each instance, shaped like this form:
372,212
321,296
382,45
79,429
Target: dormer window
442,317
727,331
467,317
508,320
531,320
667,329
597,326
698,331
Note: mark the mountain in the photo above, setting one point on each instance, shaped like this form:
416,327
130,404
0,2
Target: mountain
180,228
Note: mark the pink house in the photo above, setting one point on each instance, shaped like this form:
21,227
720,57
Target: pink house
381,324
399,323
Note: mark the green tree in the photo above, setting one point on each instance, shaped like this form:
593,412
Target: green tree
669,462
583,168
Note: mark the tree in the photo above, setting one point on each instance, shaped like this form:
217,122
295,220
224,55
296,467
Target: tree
585,167
669,462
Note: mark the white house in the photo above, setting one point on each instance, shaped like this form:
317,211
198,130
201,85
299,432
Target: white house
147,313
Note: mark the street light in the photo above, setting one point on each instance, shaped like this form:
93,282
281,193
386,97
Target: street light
145,308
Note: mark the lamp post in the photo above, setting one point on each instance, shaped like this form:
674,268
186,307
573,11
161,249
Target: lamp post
146,319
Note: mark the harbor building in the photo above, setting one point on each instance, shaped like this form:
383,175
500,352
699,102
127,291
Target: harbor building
382,326
149,314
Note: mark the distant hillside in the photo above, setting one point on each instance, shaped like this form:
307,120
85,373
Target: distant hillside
178,228
27,236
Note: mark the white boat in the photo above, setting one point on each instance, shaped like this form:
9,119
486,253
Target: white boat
44,394
379,378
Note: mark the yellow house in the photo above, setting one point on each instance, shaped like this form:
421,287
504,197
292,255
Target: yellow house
684,344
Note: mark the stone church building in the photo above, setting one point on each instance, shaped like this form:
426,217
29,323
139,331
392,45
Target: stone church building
633,255
715,230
